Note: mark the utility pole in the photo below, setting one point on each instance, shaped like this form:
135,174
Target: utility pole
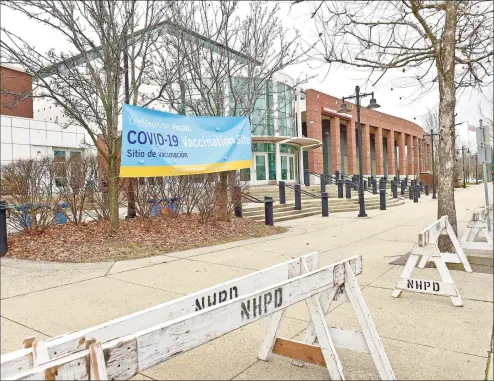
483,148
463,159
432,135
476,167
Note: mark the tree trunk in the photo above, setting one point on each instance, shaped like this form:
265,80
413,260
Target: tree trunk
223,214
447,102
113,194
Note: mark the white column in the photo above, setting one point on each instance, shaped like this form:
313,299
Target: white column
278,162
298,113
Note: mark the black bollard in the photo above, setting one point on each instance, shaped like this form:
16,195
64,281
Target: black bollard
325,206
374,186
421,185
418,190
337,175
282,187
434,191
339,182
416,193
268,211
382,183
403,187
410,192
426,189
348,189
323,184
3,229
298,197
369,182
382,199
394,188
355,179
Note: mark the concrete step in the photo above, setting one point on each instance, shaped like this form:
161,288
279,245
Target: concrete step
287,212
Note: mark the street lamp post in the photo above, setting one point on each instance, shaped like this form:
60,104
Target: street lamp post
344,109
432,134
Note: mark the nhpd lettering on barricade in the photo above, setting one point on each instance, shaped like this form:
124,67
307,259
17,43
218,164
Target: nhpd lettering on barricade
156,143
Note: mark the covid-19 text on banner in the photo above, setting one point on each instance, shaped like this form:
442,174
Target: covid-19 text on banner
156,143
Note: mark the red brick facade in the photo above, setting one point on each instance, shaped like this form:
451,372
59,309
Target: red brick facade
376,126
17,82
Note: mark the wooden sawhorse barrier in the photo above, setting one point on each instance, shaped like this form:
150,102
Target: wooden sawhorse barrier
123,347
426,250
478,226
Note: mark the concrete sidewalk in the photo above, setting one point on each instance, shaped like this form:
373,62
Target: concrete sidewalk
425,337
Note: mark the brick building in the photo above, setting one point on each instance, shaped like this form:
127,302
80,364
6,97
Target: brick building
16,80
391,146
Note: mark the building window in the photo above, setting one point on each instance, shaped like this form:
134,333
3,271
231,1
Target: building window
245,174
59,157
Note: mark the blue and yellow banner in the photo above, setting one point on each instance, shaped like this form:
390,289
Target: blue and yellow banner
156,143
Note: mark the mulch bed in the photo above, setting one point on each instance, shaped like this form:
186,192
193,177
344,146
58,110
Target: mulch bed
136,238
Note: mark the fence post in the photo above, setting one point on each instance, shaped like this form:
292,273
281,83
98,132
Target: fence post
298,197
325,206
323,183
348,189
382,183
268,211
282,187
339,182
403,187
374,186
3,229
394,188
426,189
306,177
237,201
382,199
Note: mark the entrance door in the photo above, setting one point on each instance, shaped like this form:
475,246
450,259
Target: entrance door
287,167
260,169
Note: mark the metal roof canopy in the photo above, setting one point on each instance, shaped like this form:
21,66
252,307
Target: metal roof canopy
79,59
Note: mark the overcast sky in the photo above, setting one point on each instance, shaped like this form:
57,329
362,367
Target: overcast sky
402,102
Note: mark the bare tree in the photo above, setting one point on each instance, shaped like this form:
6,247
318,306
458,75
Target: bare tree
227,57
447,44
87,86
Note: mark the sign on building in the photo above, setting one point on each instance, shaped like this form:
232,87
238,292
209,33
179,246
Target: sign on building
427,249
156,143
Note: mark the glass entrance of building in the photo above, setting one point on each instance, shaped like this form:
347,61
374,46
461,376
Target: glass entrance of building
260,168
287,167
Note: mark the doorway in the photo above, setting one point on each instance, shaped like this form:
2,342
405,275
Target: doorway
260,168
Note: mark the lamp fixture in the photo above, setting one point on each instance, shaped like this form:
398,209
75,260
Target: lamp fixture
373,103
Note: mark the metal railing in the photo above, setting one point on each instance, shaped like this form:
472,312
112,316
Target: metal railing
313,195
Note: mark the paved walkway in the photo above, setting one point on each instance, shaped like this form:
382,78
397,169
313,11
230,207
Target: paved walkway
425,336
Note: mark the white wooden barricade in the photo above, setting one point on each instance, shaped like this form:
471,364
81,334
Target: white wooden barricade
39,352
428,249
123,357
478,226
